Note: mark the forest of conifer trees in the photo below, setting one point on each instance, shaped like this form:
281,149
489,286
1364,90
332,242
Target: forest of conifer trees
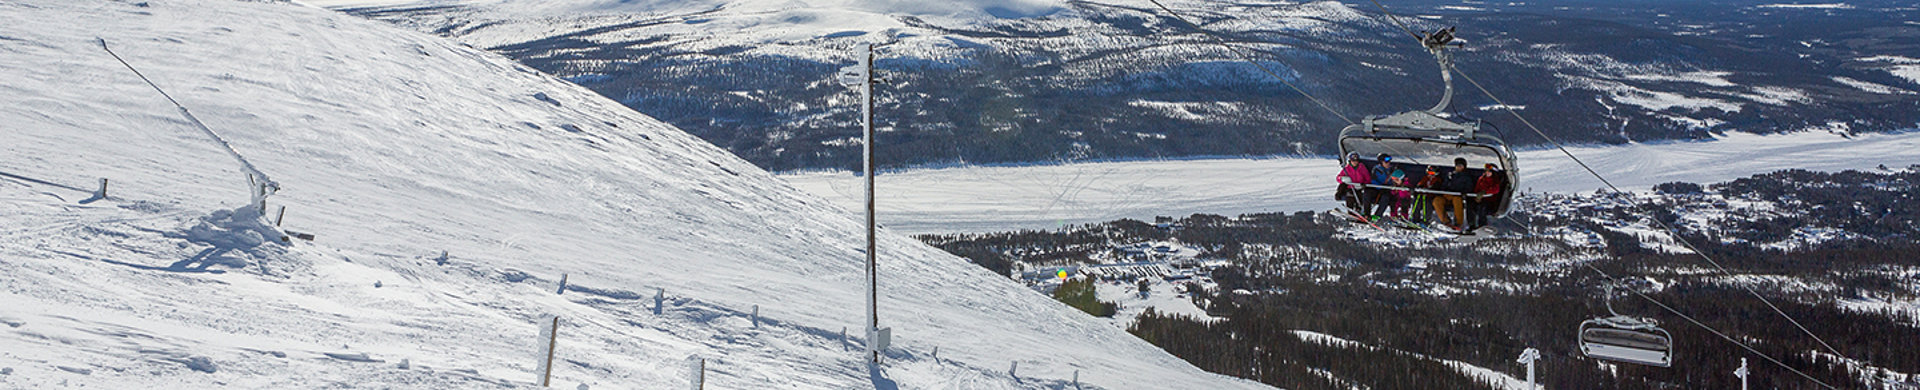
1482,303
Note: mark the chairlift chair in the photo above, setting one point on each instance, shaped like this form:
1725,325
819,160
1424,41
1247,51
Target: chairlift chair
1626,339
1424,137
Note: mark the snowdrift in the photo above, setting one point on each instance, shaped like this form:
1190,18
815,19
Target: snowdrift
394,148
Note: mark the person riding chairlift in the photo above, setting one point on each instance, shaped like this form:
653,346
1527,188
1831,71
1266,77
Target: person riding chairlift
1423,202
1351,175
1379,199
1400,197
1458,182
1490,183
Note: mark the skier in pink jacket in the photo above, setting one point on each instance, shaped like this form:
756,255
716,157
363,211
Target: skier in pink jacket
1352,174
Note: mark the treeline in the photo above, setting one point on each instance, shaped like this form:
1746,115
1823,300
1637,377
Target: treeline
1489,330
1274,355
1484,302
1077,245
1080,293
1872,204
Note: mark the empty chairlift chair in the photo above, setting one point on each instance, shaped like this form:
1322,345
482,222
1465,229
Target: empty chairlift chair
1626,339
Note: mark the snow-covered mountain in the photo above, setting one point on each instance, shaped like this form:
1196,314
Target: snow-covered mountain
988,81
455,197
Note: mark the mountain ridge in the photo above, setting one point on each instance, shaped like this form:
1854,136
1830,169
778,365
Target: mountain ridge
1100,80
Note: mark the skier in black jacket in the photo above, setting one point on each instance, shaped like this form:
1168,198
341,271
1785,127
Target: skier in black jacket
1457,181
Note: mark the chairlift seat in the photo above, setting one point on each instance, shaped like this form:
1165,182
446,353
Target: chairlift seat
1626,340
1422,138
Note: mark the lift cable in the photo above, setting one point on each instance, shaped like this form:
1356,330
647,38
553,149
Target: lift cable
1671,231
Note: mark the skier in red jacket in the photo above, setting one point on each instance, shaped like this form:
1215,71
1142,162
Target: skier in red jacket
1483,207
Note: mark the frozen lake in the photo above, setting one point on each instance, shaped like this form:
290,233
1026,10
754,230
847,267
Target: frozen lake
978,199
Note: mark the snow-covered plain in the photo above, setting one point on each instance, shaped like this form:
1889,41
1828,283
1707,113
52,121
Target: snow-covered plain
1001,198
392,147
765,21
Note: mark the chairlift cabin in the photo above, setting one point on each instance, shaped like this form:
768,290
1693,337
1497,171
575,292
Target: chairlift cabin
1425,138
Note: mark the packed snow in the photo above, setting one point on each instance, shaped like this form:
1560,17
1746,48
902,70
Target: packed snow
1001,198
450,193
766,21
1162,296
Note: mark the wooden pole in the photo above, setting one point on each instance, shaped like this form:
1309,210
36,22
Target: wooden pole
553,336
697,372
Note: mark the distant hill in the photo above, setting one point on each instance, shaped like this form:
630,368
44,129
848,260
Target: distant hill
985,81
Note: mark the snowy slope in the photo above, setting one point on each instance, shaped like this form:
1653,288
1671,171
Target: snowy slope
393,146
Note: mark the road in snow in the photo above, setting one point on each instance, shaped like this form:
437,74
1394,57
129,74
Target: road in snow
976,199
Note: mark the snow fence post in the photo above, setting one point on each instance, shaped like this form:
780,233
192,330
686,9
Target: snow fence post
696,372
277,217
549,335
563,285
843,338
1076,379
659,300
102,193
1527,357
756,316
1011,370
936,354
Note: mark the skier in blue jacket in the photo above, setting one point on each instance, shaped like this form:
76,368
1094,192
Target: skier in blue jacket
1379,199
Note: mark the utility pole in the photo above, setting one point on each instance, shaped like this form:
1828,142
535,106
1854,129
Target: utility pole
877,337
866,130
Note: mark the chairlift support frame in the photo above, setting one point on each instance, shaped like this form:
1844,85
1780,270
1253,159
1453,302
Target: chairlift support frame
1427,134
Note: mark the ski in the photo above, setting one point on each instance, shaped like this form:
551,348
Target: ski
1350,214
